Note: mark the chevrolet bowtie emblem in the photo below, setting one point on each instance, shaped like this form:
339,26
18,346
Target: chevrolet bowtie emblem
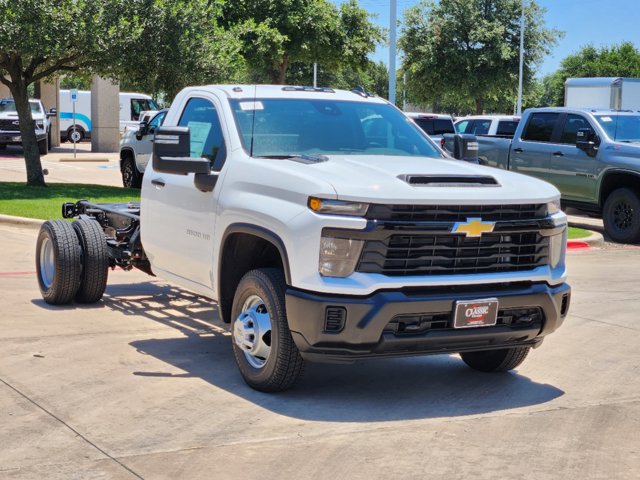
473,227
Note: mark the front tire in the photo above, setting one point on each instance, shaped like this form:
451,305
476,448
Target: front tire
264,350
496,360
621,216
131,177
58,264
95,260
43,146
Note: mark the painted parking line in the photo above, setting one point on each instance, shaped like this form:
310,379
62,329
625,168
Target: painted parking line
16,274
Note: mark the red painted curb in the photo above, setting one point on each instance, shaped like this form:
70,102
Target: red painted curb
577,245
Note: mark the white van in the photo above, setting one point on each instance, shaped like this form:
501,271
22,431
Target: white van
131,104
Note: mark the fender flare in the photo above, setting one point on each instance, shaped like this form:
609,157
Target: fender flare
613,171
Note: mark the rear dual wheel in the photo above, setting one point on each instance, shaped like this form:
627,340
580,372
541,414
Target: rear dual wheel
71,261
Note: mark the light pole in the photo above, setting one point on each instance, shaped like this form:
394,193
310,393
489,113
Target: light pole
392,51
519,106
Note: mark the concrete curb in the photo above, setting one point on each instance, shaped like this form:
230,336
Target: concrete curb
20,221
594,240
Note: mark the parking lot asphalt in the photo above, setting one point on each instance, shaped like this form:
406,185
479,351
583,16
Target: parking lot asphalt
143,385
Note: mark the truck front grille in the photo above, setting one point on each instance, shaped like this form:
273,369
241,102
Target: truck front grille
451,254
456,213
8,126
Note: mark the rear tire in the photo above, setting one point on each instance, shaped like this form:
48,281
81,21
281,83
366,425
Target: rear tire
621,216
75,136
43,146
131,177
95,260
496,360
58,264
264,350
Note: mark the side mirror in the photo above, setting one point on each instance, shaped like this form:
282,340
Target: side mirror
463,146
52,113
588,141
143,129
171,154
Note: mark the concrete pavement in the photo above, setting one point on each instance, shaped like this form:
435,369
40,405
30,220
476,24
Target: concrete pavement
143,385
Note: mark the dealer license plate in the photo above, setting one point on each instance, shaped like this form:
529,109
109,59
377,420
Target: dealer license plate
476,313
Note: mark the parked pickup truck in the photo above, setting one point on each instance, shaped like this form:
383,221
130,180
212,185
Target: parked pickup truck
10,126
591,156
327,227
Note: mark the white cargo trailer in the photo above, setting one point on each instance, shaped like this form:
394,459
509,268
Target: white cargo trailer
616,93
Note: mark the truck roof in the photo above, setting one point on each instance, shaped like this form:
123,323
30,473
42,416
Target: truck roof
593,111
287,91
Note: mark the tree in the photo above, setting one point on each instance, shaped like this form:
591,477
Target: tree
465,53
621,60
277,35
39,38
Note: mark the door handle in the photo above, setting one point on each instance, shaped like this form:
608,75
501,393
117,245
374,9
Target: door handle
518,150
158,182
558,154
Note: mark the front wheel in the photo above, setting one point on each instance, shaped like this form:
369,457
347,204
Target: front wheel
264,350
621,216
131,177
496,360
43,146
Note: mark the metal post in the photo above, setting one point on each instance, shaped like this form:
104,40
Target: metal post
519,107
74,130
404,91
315,75
392,51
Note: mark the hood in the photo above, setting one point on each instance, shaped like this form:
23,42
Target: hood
425,180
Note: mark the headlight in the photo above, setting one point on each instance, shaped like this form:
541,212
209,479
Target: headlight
553,207
557,244
338,256
337,207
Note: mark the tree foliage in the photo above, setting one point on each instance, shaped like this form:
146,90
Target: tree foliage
277,35
621,60
464,54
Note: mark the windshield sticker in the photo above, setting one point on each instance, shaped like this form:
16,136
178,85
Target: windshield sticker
248,106
199,132
606,119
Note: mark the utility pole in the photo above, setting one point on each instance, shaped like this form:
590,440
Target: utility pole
392,51
404,91
519,106
315,74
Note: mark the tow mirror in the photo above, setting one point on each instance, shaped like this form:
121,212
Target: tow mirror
588,141
171,154
462,146
52,113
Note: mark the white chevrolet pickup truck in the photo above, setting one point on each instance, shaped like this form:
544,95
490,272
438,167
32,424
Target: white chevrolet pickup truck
327,227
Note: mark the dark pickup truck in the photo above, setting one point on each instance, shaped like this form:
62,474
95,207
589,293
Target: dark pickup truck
591,156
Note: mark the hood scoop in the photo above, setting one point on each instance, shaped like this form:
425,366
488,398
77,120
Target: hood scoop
450,180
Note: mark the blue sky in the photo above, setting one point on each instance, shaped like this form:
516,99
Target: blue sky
599,22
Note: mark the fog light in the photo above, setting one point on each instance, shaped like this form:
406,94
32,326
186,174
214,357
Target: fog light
557,245
339,256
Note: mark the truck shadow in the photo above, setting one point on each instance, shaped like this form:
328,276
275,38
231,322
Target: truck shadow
375,390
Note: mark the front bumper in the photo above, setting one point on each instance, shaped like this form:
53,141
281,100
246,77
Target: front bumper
14,138
365,332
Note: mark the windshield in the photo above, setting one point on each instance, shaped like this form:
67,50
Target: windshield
621,128
284,127
9,106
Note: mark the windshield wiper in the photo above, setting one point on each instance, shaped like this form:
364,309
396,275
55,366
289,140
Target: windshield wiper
302,158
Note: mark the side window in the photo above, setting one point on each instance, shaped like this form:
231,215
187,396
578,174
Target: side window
571,126
156,121
540,127
507,127
442,126
204,127
481,127
462,126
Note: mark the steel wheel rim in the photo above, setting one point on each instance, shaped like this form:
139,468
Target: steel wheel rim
623,215
75,136
252,331
127,173
47,263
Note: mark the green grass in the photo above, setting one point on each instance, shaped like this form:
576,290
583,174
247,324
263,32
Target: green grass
575,233
45,202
